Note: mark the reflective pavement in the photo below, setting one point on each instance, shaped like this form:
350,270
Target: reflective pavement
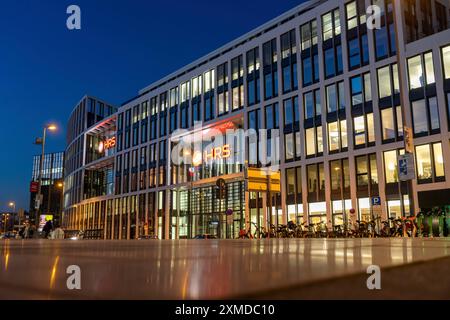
200,269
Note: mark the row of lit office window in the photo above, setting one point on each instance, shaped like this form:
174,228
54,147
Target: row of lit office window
425,111
429,168
206,83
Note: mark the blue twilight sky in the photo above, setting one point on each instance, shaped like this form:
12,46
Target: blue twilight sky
123,46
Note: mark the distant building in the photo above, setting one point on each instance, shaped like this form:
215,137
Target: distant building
52,185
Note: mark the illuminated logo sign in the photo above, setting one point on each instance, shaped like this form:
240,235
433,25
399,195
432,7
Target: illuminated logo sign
106,144
217,153
109,143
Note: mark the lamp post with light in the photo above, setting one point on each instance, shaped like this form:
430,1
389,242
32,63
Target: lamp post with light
50,127
12,205
60,186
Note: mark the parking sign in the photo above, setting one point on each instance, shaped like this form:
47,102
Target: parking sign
376,201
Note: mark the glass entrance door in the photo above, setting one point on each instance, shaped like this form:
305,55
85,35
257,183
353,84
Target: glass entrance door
207,214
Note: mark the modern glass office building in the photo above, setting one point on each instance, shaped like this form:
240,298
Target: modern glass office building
52,179
301,119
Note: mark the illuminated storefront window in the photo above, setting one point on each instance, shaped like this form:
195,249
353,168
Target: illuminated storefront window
341,211
318,212
395,208
364,209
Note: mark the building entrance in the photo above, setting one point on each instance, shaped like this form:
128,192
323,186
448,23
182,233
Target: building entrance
201,212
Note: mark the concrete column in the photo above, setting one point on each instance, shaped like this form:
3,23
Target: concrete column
167,215
247,210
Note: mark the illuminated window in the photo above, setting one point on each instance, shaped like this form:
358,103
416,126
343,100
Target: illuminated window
438,161
430,163
289,146
364,211
429,67
310,142
333,54
390,166
314,141
421,70
364,133
424,164
416,77
331,25
367,175
360,130
388,83
319,140
237,70
446,61
308,33
339,178
333,136
337,135
395,79
388,124
208,91
316,182
290,181
344,141
352,15
222,89
327,26
384,82
317,212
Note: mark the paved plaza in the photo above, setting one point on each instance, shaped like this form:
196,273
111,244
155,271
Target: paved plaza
226,269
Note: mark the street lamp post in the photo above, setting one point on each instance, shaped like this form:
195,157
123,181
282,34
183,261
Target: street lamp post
60,186
12,205
41,162
399,46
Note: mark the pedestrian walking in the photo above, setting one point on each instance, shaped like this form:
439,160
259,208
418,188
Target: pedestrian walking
47,229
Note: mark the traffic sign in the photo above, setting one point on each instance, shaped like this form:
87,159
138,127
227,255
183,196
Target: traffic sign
406,167
376,201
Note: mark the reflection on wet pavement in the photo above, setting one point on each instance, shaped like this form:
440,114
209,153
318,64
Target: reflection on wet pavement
194,269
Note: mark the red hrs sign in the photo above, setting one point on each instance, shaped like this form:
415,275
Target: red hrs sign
109,143
34,187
